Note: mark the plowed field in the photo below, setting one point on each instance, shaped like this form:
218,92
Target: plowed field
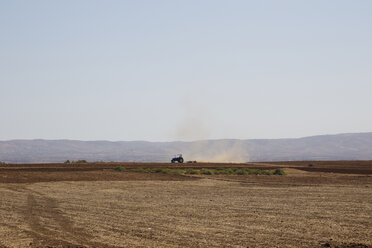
317,204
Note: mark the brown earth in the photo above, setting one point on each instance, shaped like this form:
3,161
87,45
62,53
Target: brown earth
327,204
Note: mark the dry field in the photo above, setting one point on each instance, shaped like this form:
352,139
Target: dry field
328,204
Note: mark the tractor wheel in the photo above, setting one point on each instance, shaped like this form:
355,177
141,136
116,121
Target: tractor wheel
180,160
172,161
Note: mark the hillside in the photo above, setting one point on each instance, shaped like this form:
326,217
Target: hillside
356,146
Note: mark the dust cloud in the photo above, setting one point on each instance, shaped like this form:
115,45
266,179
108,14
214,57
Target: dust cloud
195,125
218,151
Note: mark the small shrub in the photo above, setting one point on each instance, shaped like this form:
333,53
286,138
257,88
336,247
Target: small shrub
192,172
241,172
165,171
254,172
119,168
279,172
206,172
177,172
266,172
225,171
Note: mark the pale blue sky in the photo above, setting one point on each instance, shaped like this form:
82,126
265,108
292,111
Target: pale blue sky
184,70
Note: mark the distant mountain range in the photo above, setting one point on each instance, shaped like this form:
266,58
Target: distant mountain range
356,146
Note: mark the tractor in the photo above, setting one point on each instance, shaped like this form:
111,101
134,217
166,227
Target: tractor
178,158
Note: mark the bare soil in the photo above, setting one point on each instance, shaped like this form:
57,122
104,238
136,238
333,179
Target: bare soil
327,204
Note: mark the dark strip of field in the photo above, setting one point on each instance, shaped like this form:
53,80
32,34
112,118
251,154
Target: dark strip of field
344,167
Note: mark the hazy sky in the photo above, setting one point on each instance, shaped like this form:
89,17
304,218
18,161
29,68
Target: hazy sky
184,70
